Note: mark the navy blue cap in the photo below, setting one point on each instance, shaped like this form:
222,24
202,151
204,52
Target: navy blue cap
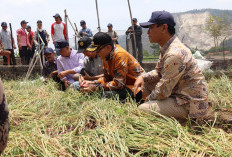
39,21
82,22
23,22
3,24
83,43
57,15
134,19
159,17
28,26
48,50
110,25
61,44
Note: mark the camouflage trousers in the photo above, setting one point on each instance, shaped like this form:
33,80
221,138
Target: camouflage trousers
166,107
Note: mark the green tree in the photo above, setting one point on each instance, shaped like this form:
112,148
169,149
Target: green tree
218,28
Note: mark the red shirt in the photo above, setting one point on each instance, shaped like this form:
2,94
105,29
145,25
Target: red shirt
23,37
30,36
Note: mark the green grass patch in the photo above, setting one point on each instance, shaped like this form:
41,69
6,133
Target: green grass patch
48,122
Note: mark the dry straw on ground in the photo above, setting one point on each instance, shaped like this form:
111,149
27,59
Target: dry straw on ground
48,122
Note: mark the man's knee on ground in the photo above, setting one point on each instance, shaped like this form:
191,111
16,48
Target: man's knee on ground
146,107
165,107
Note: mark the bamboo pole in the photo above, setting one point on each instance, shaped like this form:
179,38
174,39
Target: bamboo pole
133,29
75,30
99,27
32,63
66,22
12,43
76,36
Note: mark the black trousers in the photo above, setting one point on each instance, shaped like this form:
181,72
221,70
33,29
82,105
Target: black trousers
139,47
122,94
12,58
24,55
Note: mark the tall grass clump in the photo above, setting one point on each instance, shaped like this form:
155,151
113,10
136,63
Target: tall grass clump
220,93
48,122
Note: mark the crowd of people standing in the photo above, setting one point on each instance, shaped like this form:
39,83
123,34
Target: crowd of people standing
27,39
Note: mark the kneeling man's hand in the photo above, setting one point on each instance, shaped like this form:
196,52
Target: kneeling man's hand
139,83
88,88
62,74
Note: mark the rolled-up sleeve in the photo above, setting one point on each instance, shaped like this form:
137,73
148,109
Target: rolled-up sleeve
80,61
151,76
60,68
173,70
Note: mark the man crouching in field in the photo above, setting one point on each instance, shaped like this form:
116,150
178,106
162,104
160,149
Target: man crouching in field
69,63
120,69
177,87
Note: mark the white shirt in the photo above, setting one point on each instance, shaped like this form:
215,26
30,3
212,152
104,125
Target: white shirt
74,62
5,37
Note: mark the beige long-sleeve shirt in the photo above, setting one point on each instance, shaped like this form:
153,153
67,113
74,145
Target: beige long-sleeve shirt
181,78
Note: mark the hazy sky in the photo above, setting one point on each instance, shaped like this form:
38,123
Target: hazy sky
114,11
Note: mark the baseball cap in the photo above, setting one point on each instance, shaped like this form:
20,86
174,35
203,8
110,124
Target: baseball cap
83,43
23,22
110,25
134,19
61,44
28,26
48,50
39,21
159,17
99,39
57,15
3,24
82,22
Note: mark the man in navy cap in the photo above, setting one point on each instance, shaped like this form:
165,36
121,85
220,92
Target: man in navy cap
138,39
85,31
112,33
69,63
50,66
58,30
177,87
6,44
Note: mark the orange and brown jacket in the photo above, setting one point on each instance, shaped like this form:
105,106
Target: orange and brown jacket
120,70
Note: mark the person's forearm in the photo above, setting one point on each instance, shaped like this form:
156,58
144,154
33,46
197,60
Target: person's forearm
1,44
55,72
13,41
151,76
32,42
96,77
18,41
52,37
48,36
70,72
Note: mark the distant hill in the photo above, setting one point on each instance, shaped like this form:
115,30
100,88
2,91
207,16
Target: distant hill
190,29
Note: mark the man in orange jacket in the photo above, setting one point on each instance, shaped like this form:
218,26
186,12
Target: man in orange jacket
120,69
